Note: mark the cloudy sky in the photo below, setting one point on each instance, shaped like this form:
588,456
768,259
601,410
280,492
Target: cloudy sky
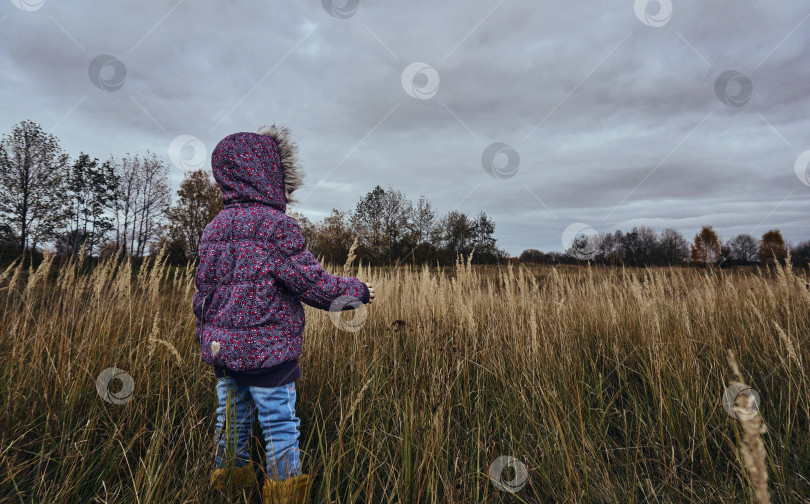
602,114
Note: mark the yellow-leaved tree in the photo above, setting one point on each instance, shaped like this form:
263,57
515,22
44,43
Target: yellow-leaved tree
772,247
706,247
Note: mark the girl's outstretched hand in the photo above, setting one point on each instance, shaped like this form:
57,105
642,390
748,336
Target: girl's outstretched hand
370,293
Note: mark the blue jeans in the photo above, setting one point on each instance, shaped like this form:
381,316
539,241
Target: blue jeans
276,409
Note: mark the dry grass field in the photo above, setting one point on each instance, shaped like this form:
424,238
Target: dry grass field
606,385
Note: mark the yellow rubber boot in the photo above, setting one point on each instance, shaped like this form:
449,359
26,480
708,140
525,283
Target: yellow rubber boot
289,491
232,478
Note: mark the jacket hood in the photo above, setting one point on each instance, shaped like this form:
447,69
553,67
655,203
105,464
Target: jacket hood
258,167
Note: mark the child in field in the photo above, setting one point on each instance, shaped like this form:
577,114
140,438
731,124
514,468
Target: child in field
253,274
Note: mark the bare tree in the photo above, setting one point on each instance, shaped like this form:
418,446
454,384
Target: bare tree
33,171
458,232
800,254
126,171
483,228
368,222
424,222
610,249
640,245
90,195
142,200
673,247
743,247
382,219
397,218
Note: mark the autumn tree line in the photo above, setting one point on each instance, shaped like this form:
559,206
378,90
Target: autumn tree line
116,206
642,246
123,207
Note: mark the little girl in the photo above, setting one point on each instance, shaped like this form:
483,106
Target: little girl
254,271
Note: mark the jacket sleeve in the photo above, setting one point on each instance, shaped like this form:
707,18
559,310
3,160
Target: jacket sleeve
295,267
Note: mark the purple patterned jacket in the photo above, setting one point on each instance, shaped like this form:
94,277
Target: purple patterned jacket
254,270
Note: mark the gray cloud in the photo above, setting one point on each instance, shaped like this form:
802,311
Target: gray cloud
602,109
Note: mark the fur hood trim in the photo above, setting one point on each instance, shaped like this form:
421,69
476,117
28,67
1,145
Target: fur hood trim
288,154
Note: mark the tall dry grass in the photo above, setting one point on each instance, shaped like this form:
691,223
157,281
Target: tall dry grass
605,384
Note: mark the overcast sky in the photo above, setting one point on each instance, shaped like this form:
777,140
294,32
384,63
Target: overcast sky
607,114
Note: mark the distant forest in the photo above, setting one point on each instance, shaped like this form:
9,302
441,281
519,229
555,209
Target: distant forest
123,207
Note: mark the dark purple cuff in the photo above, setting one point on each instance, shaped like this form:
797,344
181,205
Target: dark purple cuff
366,297
280,374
